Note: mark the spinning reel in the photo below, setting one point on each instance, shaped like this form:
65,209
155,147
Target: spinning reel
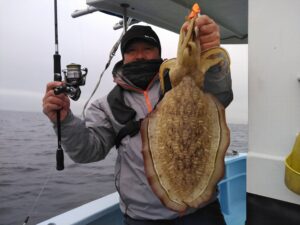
74,77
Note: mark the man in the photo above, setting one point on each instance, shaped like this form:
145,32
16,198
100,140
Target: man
136,93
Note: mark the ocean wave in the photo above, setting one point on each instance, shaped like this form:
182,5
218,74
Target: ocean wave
18,169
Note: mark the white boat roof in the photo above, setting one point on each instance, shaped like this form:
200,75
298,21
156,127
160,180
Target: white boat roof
230,15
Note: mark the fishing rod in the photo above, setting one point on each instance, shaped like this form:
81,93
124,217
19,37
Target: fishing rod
57,77
74,77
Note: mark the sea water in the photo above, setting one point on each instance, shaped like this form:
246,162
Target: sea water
27,170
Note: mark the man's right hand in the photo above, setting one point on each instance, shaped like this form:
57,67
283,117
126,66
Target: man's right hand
52,103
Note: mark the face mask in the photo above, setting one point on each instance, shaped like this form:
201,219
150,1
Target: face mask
141,73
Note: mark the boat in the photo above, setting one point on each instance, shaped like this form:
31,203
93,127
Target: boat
106,211
261,188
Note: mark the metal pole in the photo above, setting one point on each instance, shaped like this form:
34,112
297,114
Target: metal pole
125,25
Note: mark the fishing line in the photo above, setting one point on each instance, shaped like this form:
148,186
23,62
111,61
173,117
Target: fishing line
33,207
111,55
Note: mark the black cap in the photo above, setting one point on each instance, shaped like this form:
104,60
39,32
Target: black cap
139,32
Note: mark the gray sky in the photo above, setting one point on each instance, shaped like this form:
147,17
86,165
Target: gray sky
27,48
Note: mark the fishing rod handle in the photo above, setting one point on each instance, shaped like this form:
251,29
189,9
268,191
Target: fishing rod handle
60,159
59,151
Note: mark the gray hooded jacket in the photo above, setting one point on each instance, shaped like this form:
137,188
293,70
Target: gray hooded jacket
91,139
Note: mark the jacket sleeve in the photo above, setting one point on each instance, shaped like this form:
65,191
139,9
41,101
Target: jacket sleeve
218,82
89,140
